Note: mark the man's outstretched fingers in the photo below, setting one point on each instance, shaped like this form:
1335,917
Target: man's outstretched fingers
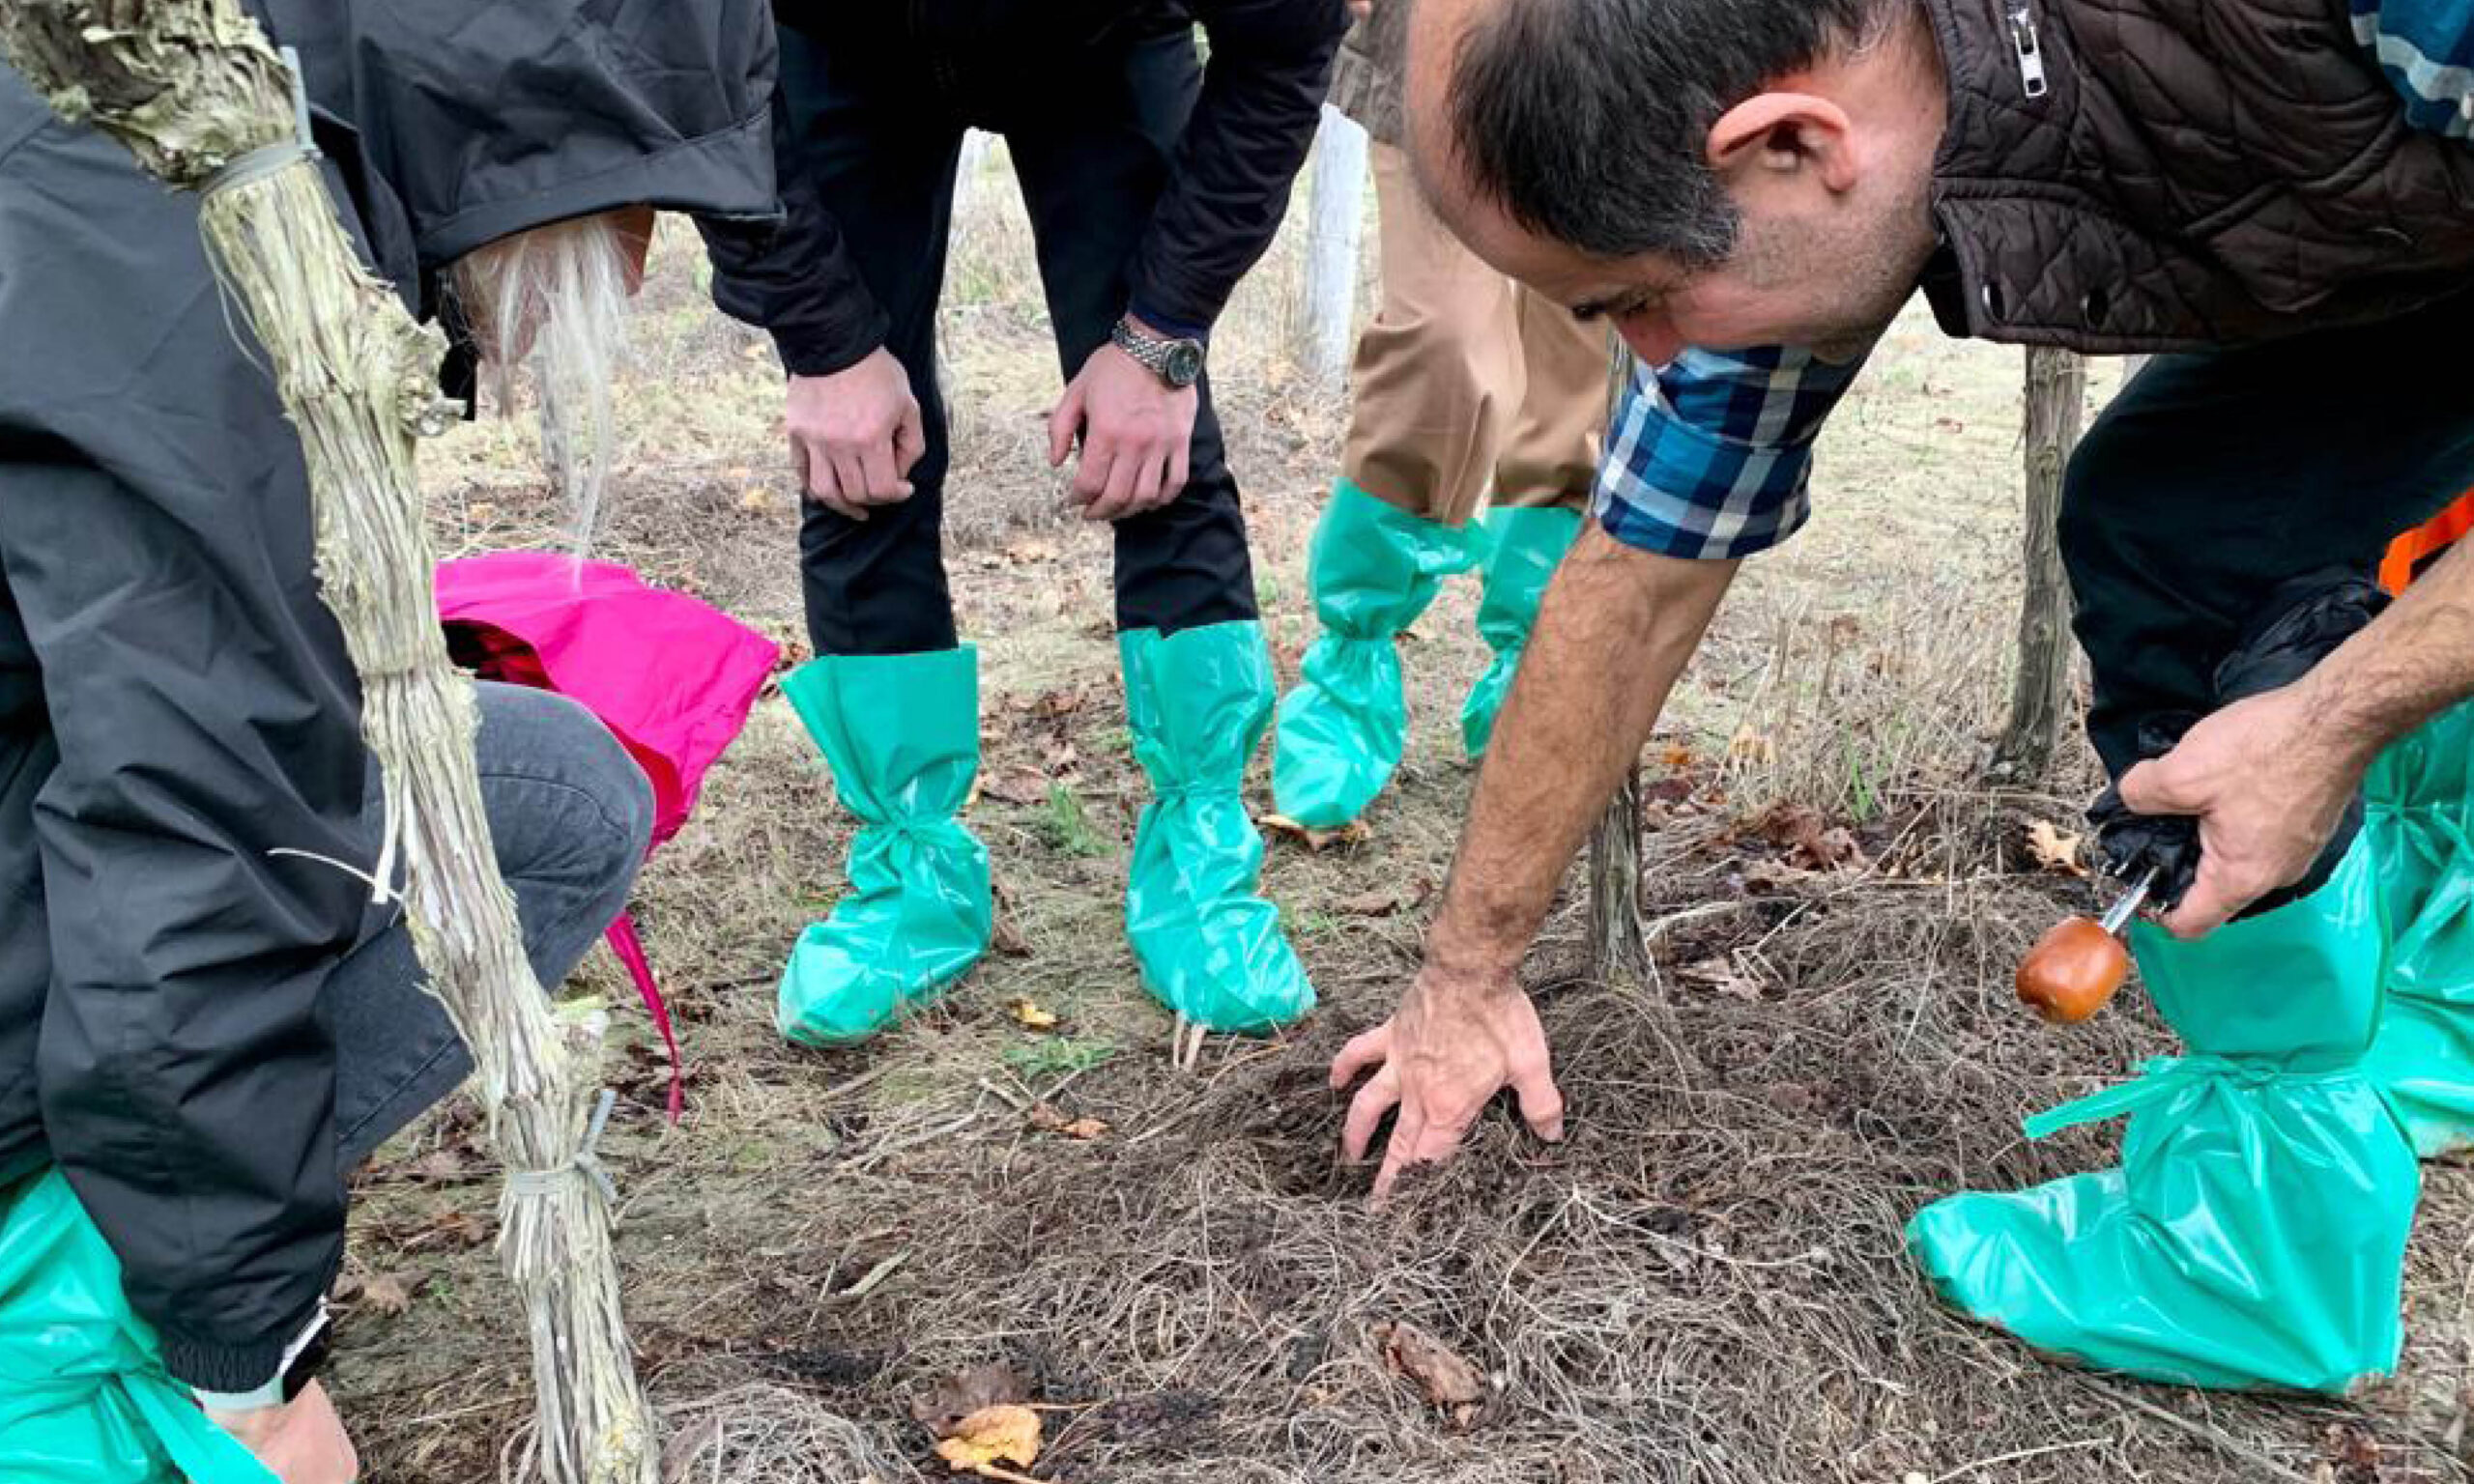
1541,1102
1378,1097
1406,1134
1365,1048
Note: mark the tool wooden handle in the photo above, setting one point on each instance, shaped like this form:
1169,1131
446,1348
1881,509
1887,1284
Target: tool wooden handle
2072,971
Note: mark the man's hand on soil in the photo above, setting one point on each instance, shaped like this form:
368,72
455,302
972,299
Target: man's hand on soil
1136,433
1440,1060
2268,788
855,434
299,1443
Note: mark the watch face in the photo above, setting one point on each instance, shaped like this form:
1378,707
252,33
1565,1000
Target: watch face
1184,363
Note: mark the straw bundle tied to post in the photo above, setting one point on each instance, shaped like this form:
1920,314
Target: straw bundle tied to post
197,94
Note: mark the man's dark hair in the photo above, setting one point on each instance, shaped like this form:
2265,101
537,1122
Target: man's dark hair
1587,120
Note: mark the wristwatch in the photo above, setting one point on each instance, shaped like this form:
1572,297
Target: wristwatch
1176,362
299,1366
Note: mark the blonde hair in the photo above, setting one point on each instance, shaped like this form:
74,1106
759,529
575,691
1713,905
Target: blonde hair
552,302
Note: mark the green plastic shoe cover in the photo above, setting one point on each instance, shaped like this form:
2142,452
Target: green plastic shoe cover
1528,544
1210,947
2254,1235
1373,568
84,1398
2417,803
901,734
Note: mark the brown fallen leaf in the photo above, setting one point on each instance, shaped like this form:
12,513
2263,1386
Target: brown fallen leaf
956,1398
1384,900
1749,746
2055,849
1352,833
445,1165
1061,702
1721,975
1015,786
1005,931
1027,1010
454,1229
386,1293
1811,841
994,1435
1048,1119
1762,876
2350,1454
1449,1382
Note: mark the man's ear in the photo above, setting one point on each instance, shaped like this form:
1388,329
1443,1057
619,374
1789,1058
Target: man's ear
1779,134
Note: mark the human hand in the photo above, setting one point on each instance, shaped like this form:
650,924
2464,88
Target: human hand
855,434
1135,430
1360,9
2269,787
1443,1055
300,1442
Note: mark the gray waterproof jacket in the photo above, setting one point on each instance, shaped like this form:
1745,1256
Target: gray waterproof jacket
175,704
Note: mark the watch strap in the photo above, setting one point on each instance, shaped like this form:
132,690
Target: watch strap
1156,353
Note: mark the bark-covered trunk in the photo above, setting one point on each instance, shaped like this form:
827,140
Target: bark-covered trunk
2057,386
1617,951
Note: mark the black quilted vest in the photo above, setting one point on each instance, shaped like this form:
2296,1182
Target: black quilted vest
2153,175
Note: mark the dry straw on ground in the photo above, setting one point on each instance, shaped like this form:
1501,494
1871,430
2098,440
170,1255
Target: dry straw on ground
1704,1284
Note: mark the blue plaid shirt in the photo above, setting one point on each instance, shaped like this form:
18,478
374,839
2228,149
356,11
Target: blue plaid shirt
1709,456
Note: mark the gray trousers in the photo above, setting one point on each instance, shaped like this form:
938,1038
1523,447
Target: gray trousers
570,814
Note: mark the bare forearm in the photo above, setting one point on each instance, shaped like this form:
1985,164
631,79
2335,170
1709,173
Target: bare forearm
1617,627
2414,661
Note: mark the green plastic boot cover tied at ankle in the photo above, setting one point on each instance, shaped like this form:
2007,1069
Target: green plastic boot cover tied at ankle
1373,569
902,735
1209,946
2253,1235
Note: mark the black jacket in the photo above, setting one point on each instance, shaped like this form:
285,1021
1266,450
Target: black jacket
1263,86
175,702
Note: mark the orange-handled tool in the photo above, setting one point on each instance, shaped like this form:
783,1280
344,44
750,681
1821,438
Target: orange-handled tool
2075,967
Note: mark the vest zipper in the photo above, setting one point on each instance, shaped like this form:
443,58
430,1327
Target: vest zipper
2032,53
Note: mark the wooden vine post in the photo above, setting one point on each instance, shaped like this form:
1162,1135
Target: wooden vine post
197,95
1323,315
2057,388
1619,950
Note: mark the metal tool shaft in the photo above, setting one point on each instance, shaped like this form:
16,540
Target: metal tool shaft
2129,902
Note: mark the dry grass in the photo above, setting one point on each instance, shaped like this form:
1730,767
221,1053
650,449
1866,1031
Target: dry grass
1704,1284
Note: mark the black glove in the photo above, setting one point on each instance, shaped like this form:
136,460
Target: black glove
2304,620
2128,844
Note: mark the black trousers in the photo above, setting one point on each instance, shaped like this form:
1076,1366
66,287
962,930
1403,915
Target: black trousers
875,122
2214,477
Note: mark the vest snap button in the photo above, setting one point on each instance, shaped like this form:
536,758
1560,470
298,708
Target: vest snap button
2092,306
1993,299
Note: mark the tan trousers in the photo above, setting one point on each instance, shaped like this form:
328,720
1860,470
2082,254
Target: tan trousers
1465,379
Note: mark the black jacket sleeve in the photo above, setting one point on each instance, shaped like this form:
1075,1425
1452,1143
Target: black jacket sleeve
1271,62
156,544
795,278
